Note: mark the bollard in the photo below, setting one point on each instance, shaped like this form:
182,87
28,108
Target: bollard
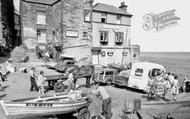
137,105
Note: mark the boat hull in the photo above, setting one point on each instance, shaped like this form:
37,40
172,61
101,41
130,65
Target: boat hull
25,110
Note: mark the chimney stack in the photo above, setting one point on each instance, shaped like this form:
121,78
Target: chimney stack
123,6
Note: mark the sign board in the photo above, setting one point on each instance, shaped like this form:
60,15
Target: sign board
72,33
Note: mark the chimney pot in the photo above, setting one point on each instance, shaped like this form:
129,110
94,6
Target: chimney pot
123,6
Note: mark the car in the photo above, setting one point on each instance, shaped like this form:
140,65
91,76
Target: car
64,63
105,75
122,78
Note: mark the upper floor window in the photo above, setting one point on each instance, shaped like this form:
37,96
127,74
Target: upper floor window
118,19
41,17
103,17
104,37
119,38
85,35
86,15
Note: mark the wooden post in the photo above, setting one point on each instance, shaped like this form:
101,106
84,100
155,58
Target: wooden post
21,21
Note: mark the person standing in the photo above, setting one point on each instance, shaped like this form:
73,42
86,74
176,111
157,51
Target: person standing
40,82
106,101
1,88
33,80
175,88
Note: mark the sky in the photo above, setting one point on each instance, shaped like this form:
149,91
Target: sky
170,39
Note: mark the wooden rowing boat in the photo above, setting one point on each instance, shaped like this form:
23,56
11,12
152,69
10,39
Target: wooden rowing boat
43,106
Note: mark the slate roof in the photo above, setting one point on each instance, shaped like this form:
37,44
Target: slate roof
109,9
46,2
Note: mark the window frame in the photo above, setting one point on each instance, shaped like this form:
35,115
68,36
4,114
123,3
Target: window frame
139,72
86,37
118,19
103,17
119,38
45,17
107,37
87,13
38,34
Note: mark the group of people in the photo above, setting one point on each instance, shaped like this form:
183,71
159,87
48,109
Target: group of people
165,83
10,68
37,82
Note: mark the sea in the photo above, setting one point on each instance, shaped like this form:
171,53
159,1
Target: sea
174,62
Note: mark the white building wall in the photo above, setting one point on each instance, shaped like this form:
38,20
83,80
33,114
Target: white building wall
97,27
126,20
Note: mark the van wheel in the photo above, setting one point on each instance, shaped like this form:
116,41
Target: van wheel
59,87
84,114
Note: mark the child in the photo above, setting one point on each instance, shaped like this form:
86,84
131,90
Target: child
40,82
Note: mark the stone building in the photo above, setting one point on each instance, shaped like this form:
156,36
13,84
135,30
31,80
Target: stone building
96,34
111,35
57,21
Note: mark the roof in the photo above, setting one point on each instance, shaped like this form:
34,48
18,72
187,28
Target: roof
109,9
45,2
147,65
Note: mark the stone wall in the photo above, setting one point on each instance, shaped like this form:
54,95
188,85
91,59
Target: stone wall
30,25
73,26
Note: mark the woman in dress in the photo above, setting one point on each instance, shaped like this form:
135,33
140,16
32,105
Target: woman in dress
175,88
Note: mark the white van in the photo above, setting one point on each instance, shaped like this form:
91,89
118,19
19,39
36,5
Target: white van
142,73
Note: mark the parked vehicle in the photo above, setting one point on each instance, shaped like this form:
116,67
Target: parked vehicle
142,73
122,78
57,81
106,76
63,64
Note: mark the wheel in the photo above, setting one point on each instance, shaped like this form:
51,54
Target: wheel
116,85
59,87
51,84
84,114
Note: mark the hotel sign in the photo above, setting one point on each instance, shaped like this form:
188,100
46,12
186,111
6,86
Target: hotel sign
72,33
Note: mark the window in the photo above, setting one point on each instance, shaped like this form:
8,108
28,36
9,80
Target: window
41,35
41,17
156,72
139,72
85,35
119,37
103,36
118,20
109,53
104,18
109,73
86,15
